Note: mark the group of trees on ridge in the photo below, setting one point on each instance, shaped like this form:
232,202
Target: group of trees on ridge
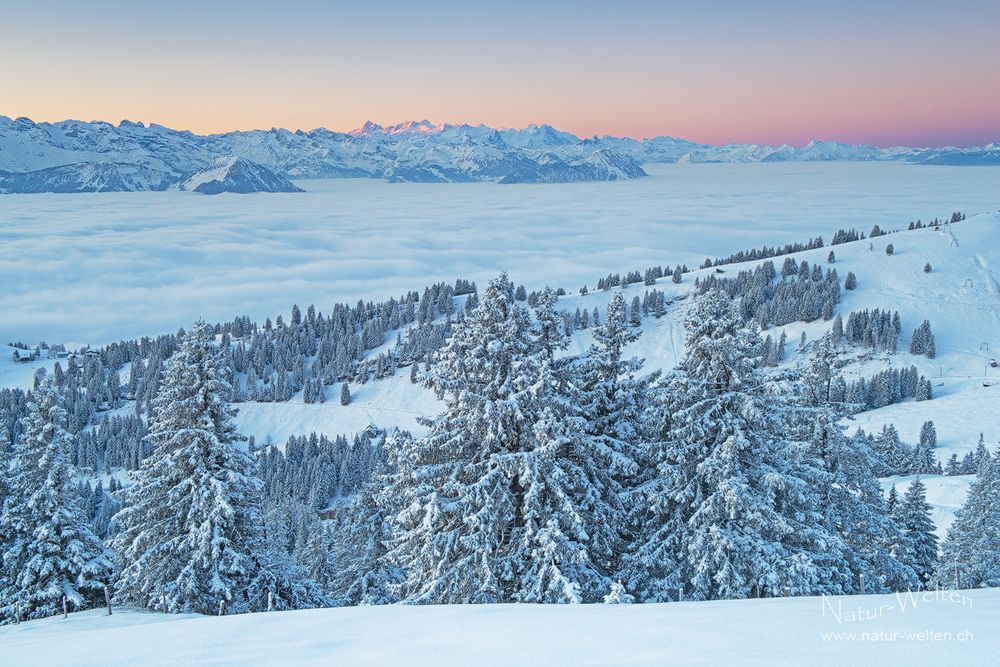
587,479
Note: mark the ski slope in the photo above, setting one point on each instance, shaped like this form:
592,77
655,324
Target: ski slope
947,629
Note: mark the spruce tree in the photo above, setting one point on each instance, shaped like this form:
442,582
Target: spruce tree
731,510
607,432
618,595
970,555
191,526
496,501
361,571
918,532
49,550
892,500
345,394
923,453
850,497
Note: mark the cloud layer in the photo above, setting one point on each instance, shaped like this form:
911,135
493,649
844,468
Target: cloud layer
88,268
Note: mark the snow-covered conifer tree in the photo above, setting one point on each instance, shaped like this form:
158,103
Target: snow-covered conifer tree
191,526
618,595
731,510
923,454
49,549
361,572
460,489
914,517
498,501
970,555
850,497
609,402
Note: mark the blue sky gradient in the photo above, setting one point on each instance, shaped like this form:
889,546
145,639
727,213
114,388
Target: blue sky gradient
917,73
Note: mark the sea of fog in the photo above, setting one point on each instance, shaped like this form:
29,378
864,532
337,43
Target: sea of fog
93,268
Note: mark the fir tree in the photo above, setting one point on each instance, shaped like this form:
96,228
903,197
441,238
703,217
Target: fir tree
923,453
893,456
892,500
362,572
466,465
850,497
618,595
607,416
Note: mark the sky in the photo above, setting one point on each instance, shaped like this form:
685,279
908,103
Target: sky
887,72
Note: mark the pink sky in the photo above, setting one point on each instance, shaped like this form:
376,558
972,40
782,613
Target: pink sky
915,73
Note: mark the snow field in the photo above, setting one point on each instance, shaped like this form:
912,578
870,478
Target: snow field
736,632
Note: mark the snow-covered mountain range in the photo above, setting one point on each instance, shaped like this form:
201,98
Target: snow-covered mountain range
78,156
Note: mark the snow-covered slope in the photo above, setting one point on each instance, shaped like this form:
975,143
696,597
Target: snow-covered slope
413,151
949,628
960,297
601,165
87,177
392,402
236,174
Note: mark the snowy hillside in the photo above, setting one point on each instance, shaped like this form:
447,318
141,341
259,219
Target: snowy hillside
960,297
413,151
86,177
601,165
322,394
237,175
885,630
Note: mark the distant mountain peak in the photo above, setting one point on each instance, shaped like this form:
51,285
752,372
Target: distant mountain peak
414,126
369,127
239,175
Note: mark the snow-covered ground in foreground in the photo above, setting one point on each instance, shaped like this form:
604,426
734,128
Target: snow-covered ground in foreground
957,629
94,268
